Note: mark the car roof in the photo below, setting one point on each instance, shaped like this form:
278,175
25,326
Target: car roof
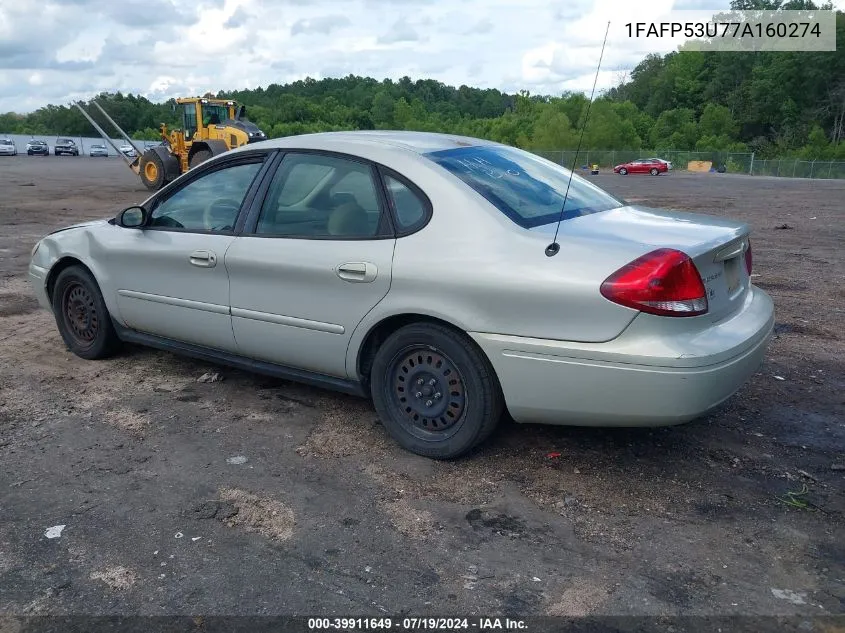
417,142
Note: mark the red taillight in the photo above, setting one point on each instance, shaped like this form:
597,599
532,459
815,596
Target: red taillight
748,258
664,282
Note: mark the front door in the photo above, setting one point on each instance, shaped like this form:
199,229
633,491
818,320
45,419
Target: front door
169,276
316,259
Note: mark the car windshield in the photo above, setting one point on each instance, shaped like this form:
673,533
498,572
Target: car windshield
527,188
6,141
65,141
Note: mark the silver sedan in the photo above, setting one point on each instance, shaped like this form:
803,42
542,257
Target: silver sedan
423,271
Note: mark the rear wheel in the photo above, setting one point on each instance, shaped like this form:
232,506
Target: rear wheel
435,391
81,315
152,171
623,171
653,171
200,157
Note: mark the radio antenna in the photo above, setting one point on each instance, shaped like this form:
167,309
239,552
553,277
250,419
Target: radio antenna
553,248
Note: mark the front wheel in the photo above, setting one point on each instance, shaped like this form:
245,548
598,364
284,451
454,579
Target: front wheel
653,171
435,391
199,157
81,315
623,171
152,171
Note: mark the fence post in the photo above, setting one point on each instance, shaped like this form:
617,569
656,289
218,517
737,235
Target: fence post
829,169
751,166
778,171
794,167
812,165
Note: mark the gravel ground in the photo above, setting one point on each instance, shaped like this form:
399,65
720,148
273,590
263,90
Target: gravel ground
258,496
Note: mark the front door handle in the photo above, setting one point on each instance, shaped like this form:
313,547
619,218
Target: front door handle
357,272
203,259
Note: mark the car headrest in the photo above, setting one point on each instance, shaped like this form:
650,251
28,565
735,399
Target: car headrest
349,219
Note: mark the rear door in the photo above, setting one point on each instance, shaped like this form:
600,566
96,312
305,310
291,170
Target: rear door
314,259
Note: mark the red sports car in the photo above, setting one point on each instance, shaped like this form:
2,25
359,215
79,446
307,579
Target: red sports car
652,166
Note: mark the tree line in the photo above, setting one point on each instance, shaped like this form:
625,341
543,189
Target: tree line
776,104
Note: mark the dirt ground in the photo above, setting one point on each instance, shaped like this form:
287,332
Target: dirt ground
257,496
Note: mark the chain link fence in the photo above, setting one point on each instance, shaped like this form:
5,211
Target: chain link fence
799,168
730,162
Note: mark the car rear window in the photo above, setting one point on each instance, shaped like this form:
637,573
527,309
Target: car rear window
525,187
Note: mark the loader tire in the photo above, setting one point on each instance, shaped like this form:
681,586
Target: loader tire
152,171
200,157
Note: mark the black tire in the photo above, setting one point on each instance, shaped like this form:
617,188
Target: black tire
200,157
443,359
654,171
157,181
81,315
623,171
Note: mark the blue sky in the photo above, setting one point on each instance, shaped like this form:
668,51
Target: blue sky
52,51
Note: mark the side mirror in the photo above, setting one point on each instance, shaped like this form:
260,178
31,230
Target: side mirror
132,218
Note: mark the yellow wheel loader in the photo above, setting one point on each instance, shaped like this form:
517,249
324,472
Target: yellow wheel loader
209,127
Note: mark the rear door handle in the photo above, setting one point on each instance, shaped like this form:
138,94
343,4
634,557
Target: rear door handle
203,259
357,272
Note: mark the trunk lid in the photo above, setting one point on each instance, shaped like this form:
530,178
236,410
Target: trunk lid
716,245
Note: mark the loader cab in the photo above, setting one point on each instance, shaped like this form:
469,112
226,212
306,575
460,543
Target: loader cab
199,114
213,114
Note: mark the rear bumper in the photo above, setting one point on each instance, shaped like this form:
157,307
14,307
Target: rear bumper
627,382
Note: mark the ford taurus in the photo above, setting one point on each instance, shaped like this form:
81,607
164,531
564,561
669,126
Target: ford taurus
447,278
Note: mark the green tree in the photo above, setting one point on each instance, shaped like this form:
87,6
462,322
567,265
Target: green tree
382,110
552,131
674,129
717,120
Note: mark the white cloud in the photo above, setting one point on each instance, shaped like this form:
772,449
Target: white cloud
164,48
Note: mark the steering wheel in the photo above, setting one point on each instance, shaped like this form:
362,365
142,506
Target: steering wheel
226,207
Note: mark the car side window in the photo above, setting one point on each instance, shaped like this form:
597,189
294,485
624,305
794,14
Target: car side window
409,209
318,196
208,203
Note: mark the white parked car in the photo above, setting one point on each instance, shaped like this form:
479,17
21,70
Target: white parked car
665,162
128,151
8,147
